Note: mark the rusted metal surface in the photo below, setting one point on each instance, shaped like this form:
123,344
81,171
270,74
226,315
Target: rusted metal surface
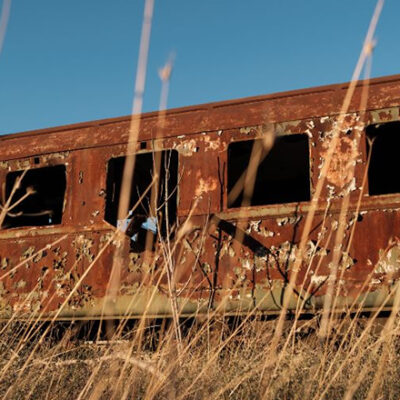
212,268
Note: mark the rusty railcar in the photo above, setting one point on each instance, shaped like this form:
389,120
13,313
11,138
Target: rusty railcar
55,246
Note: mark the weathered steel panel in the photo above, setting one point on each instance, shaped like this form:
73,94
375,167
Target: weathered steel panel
234,258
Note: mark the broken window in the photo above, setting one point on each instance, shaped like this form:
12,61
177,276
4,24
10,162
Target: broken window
283,175
39,199
141,219
384,144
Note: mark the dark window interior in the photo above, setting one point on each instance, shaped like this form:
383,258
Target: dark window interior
142,178
385,161
283,175
44,205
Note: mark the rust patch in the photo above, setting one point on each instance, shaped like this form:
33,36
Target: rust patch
211,265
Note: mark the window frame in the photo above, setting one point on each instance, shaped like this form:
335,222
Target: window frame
367,147
271,208
144,151
46,227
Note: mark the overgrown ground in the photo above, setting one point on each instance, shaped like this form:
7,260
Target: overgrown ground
221,359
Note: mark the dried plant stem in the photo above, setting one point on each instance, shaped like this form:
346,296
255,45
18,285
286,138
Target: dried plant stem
130,158
5,15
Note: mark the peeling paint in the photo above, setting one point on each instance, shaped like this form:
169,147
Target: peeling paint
186,148
288,220
205,185
211,144
245,257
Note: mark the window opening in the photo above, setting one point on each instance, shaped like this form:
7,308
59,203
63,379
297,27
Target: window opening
44,192
141,220
383,143
283,175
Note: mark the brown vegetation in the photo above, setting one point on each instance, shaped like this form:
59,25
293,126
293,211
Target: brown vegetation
220,359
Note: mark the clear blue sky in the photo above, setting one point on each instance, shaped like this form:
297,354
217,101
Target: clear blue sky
72,61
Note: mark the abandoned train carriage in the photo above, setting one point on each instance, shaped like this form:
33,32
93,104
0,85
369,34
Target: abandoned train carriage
55,261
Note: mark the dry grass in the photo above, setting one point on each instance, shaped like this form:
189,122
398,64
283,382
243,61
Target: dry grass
223,359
